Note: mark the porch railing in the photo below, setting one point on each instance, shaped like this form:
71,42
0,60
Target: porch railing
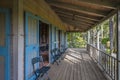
105,61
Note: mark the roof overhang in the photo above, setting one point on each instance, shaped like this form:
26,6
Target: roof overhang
82,15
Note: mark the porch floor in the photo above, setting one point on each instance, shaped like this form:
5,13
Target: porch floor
77,65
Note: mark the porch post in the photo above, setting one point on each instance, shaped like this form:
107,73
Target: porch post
118,45
94,34
17,51
102,30
111,34
98,46
71,42
66,40
88,37
98,34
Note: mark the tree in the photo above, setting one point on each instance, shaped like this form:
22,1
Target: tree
76,40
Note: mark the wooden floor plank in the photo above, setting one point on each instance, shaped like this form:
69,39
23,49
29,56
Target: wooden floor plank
59,71
83,69
77,65
67,72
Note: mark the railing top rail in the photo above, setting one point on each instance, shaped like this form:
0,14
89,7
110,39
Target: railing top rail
102,51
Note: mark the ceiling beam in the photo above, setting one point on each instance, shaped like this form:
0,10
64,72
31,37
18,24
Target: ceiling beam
72,27
76,23
105,3
109,15
81,26
74,31
110,4
76,28
75,18
93,18
79,9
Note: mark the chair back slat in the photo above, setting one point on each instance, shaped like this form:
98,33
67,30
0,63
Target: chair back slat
37,59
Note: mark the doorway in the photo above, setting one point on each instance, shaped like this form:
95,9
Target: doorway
44,41
59,38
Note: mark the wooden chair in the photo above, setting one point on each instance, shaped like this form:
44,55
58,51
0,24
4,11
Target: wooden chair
54,56
40,71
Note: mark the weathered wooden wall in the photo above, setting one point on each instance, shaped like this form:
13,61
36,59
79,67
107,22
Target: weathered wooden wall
17,9
42,9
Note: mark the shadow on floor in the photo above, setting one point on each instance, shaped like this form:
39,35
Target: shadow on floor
77,65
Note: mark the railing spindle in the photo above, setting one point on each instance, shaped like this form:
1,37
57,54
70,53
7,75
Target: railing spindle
106,61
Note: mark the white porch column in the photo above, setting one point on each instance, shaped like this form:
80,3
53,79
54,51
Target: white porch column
94,38
111,34
98,46
102,30
17,51
66,44
98,36
88,37
91,38
118,44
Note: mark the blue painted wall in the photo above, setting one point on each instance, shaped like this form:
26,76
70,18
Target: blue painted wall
5,50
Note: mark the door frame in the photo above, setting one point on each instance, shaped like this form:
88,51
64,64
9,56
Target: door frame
27,14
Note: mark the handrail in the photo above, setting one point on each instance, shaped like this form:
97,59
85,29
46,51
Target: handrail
107,62
102,51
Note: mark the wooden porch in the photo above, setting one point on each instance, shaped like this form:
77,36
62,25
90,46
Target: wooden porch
77,65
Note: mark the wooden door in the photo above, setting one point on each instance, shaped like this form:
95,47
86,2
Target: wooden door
4,44
31,43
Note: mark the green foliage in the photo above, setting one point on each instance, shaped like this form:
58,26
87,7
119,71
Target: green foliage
107,50
105,40
75,40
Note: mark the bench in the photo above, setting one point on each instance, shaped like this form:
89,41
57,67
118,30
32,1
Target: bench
40,71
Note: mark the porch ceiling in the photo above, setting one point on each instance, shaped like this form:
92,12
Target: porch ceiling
83,14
